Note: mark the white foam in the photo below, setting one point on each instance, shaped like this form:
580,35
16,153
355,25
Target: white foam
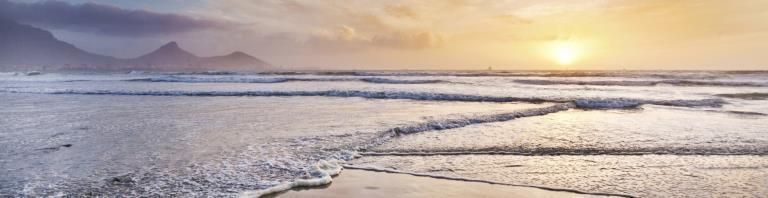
28,73
676,82
606,104
461,122
586,103
253,79
231,79
319,174
398,81
582,102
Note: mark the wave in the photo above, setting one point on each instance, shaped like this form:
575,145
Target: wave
607,104
387,170
21,73
747,113
642,83
451,123
398,81
545,151
746,96
625,103
465,121
209,73
534,73
443,124
731,112
320,173
416,73
583,103
190,79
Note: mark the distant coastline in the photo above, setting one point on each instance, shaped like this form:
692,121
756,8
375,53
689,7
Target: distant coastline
28,48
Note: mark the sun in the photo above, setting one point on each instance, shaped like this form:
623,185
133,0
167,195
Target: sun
565,52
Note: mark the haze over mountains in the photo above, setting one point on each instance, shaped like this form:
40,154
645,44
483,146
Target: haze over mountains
24,47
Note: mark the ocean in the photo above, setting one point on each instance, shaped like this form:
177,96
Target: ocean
633,133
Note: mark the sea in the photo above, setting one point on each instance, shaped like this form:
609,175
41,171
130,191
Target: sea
226,134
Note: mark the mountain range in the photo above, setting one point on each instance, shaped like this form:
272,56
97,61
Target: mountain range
24,47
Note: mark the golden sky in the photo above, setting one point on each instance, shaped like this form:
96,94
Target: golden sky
471,34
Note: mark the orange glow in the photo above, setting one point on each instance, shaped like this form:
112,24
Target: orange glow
565,52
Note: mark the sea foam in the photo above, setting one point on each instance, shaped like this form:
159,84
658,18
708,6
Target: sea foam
251,79
585,103
643,83
469,120
319,174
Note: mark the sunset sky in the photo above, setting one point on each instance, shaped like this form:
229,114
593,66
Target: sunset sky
425,34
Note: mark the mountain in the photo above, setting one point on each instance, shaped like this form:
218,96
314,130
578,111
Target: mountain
174,57
168,54
234,59
24,47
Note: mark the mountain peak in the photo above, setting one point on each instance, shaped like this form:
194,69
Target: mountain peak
22,44
239,54
236,59
171,45
172,48
168,54
24,47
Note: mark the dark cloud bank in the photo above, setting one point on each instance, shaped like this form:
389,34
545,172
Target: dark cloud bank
103,19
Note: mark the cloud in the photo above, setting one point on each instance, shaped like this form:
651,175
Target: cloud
401,11
404,40
104,19
346,38
425,32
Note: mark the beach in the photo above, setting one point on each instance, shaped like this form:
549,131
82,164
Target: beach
399,133
360,183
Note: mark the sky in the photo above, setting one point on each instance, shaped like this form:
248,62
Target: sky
422,34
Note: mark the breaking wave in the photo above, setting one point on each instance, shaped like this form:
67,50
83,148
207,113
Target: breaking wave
321,172
746,96
394,81
465,121
583,103
643,83
234,79
210,73
533,73
625,103
542,151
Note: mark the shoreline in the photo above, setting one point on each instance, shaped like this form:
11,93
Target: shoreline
460,179
358,182
362,181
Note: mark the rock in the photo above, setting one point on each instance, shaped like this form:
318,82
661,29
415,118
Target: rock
124,179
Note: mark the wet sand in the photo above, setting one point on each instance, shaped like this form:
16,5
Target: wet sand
370,184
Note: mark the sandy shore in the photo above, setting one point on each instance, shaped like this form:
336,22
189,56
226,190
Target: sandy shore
370,184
